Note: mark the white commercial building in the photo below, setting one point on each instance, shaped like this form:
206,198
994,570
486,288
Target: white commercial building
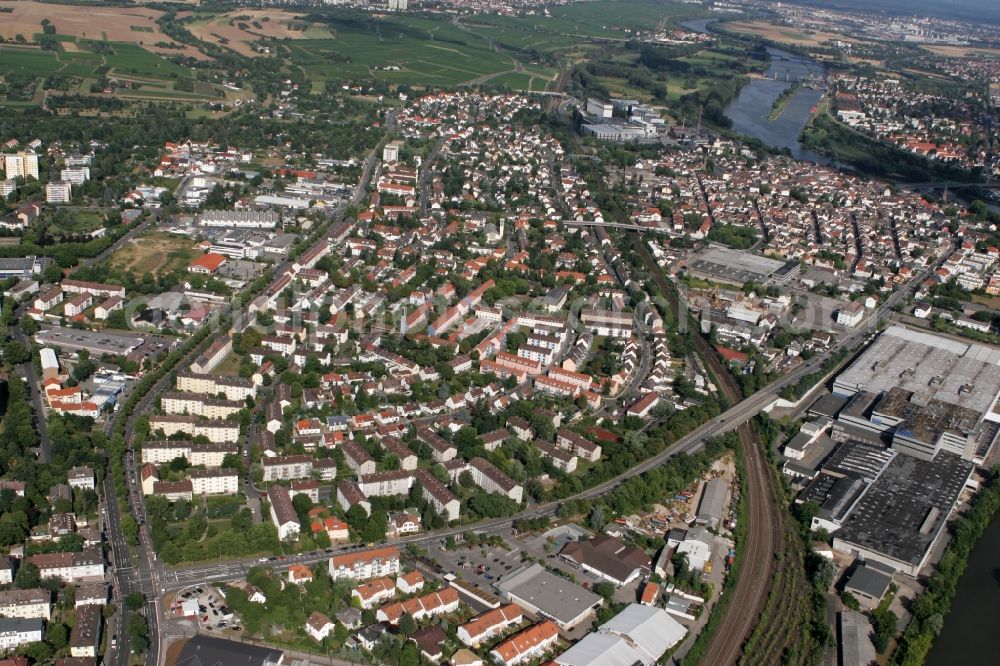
638,635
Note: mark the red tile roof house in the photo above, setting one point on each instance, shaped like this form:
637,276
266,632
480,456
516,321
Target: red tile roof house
374,592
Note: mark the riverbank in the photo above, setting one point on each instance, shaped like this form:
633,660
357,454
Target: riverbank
782,102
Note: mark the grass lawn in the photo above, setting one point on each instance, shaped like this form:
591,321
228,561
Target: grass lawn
230,366
79,222
157,253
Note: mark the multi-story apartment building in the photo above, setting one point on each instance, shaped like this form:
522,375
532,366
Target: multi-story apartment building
75,175
234,388
435,492
578,445
215,482
76,305
518,364
96,288
608,322
488,477
578,379
357,458
17,631
561,459
31,603
209,455
85,638
287,467
21,165
216,430
283,514
70,567
381,484
199,404
365,564
441,449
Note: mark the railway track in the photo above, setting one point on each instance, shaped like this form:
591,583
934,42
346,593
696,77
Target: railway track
765,596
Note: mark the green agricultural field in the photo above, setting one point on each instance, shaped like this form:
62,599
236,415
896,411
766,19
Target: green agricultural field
27,61
133,59
424,52
568,24
402,50
153,77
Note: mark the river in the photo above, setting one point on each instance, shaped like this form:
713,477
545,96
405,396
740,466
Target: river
750,111
968,636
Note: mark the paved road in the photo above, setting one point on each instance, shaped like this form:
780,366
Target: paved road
426,173
34,389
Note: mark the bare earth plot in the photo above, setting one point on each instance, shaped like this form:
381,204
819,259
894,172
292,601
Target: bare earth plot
114,24
786,34
950,51
156,253
237,30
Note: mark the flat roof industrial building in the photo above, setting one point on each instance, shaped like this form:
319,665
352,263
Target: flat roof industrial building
723,264
928,365
96,342
541,592
930,392
904,511
713,502
637,636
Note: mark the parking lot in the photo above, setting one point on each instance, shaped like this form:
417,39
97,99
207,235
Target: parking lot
211,612
480,565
